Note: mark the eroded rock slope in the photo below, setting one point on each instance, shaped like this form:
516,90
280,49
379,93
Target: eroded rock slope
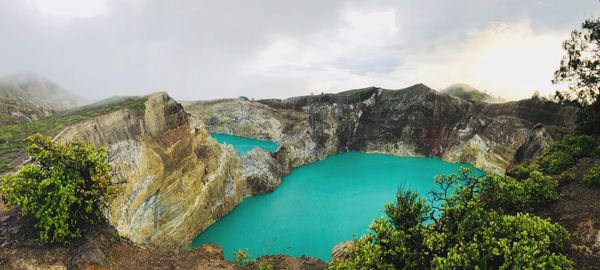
175,179
415,121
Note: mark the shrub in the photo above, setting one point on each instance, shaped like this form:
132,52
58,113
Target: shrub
519,241
540,189
396,242
265,264
241,257
65,188
579,145
521,171
504,193
557,161
592,176
565,152
512,195
465,235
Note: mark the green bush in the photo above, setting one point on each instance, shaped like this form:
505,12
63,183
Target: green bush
557,161
504,193
521,170
565,152
540,189
65,187
264,263
396,242
592,176
519,241
464,234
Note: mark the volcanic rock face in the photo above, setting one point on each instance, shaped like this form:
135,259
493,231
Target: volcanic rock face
176,180
416,121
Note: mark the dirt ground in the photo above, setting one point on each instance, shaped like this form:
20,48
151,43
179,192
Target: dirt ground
579,212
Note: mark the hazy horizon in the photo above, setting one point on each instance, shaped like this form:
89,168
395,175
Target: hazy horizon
198,50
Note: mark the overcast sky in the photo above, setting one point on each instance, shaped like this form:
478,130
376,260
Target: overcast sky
261,49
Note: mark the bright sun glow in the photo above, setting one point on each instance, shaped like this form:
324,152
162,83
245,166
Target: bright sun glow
516,61
71,8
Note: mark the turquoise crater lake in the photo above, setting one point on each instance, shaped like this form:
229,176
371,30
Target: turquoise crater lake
321,204
245,145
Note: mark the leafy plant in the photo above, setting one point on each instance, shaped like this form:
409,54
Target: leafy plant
464,234
65,187
265,263
580,68
241,257
564,153
592,176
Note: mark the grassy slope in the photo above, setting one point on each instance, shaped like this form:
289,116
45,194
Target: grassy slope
12,136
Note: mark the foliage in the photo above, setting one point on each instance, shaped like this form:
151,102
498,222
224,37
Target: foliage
512,195
588,119
12,137
521,170
397,242
521,241
562,154
592,176
241,257
557,161
465,233
580,68
264,263
65,188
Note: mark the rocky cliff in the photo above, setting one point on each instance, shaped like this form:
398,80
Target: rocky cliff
415,121
175,179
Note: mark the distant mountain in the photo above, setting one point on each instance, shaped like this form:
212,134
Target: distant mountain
37,90
468,92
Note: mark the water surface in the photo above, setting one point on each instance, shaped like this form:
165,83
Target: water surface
244,144
321,204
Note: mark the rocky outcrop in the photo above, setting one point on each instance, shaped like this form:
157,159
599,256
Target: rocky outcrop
175,179
340,252
261,171
416,121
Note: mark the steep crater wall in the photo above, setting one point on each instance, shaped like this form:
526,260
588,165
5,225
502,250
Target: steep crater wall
175,180
415,121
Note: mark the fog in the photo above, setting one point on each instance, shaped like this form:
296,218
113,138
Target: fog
263,49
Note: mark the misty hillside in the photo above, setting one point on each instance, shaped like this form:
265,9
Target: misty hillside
34,89
15,130
468,92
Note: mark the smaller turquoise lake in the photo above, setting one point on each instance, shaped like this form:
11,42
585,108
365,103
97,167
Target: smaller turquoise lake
321,204
245,145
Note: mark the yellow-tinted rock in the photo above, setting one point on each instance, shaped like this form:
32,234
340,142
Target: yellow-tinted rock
175,180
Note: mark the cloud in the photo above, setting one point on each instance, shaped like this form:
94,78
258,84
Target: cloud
197,49
506,58
509,59
72,8
361,37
